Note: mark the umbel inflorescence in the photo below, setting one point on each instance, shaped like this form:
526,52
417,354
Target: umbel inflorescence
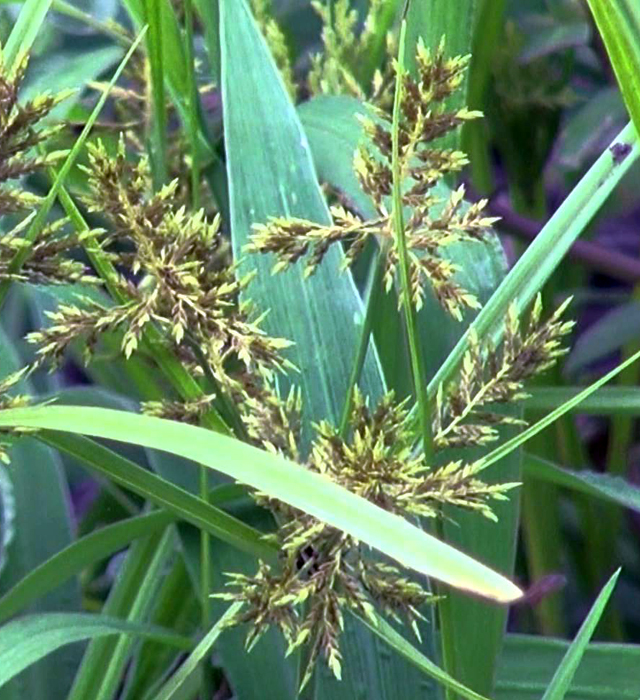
170,280
325,572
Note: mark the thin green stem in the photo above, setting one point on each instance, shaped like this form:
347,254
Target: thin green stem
375,292
111,29
417,364
192,104
158,136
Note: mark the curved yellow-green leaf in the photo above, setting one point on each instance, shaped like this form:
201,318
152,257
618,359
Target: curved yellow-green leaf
282,479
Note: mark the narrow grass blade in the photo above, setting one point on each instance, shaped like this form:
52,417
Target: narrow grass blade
613,489
561,681
24,31
618,22
281,479
550,418
210,16
176,608
114,662
28,639
158,135
160,491
268,673
615,400
123,601
174,67
542,257
607,672
73,559
194,659
396,641
40,218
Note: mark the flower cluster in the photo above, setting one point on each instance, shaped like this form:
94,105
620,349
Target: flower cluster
341,67
175,273
21,133
496,375
324,571
434,223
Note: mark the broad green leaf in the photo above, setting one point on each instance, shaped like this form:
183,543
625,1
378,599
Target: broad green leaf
553,36
488,27
587,128
282,479
561,681
618,22
607,335
26,640
24,31
191,663
333,131
610,488
433,21
73,559
37,477
271,173
66,70
527,664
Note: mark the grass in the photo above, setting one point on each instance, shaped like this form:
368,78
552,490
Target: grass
251,380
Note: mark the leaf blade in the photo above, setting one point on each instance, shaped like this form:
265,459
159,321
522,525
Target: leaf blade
282,479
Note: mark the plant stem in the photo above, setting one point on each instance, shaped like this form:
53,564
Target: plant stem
153,15
192,104
375,292
417,363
